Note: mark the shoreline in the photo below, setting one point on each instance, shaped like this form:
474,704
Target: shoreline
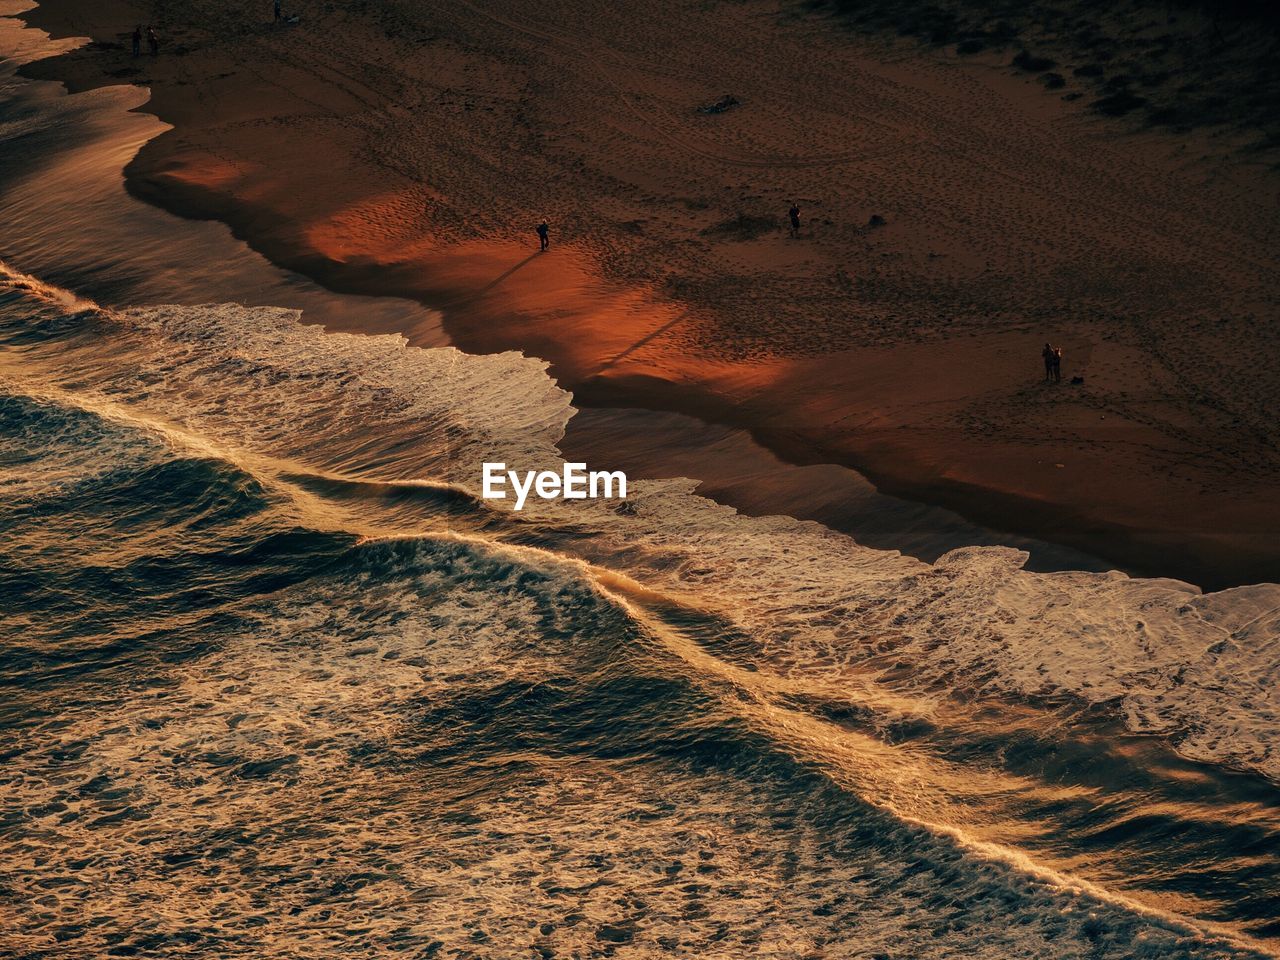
619,344
731,468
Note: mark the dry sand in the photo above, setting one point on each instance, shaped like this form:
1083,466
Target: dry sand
409,148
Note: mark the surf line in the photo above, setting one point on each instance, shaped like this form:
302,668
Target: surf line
573,482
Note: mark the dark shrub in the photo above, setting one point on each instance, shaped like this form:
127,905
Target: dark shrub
1118,104
1033,64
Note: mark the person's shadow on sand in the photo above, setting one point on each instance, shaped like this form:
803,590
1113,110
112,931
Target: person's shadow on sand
506,273
496,281
652,335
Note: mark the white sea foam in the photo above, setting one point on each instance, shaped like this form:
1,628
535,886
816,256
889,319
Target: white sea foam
258,377
1199,670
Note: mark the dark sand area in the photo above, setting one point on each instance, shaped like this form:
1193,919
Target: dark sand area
408,148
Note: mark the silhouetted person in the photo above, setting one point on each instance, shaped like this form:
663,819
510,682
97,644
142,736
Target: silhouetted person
277,9
153,41
1047,355
1057,364
137,40
794,214
542,235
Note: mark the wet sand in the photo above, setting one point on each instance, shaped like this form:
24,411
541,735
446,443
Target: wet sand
409,151
117,251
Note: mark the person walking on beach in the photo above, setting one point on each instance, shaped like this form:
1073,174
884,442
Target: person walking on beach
137,40
1047,355
277,9
542,236
794,215
153,41
1057,364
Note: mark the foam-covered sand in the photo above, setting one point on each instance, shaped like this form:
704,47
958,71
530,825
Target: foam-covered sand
410,149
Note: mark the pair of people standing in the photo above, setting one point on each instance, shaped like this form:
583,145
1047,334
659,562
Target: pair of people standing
1052,357
153,41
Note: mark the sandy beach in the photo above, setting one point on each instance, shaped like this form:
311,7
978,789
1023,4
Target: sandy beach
409,149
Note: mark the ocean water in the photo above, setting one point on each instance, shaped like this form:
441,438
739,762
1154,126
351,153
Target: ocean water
278,683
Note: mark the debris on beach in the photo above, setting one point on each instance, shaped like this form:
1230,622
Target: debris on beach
721,105
877,221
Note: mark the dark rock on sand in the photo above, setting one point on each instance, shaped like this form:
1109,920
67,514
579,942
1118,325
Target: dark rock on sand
721,105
